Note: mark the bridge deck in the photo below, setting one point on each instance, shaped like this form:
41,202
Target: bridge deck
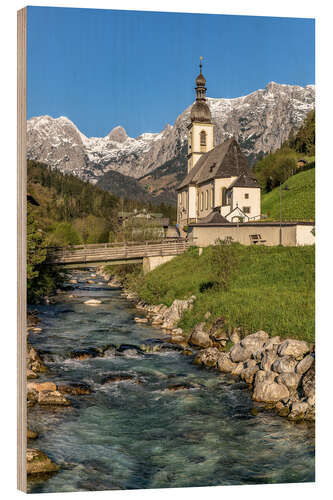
109,252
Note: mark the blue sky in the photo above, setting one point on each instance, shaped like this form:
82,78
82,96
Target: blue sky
103,68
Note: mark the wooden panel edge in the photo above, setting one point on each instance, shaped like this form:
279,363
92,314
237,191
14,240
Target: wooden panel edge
21,247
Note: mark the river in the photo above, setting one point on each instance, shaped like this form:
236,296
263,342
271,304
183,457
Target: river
137,433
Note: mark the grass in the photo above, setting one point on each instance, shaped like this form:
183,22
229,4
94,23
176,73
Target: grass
273,289
298,202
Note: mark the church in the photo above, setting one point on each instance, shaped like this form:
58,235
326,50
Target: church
219,186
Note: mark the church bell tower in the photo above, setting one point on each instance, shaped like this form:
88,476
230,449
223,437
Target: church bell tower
201,128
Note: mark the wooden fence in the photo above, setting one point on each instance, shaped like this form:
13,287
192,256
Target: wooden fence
115,251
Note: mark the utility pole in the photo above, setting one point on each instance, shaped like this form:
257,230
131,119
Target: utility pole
280,214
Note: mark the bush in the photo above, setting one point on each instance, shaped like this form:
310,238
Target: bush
224,262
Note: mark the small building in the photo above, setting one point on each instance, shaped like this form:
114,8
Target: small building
143,223
218,178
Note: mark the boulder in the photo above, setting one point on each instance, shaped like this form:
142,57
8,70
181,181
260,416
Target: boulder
82,354
141,320
117,377
305,364
291,380
266,389
52,398
207,357
181,387
268,357
45,386
224,363
311,400
239,353
187,352
255,341
272,342
173,314
308,382
177,331
31,434
75,389
298,410
217,331
39,463
286,364
295,348
92,302
249,371
31,374
199,337
237,370
235,336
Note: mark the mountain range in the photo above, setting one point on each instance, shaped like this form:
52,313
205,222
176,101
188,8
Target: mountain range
150,166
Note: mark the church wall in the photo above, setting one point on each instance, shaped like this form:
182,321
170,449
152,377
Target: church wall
205,194
270,235
253,202
219,184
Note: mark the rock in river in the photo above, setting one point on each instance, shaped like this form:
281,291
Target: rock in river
38,462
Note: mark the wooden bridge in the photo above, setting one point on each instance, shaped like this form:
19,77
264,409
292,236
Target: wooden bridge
116,253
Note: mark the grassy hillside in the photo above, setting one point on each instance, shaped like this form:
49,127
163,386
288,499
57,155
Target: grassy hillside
272,289
297,202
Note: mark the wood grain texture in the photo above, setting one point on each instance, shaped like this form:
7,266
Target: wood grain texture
21,247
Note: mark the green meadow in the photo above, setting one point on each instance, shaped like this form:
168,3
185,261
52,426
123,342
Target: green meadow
298,198
271,288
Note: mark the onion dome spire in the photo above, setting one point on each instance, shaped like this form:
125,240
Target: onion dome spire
200,111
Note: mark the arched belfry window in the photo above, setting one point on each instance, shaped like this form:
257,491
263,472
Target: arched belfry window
203,137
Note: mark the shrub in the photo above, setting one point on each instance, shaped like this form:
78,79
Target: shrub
224,262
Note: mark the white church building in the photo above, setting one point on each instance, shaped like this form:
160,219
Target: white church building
219,185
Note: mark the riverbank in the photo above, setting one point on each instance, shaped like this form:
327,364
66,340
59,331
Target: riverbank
279,370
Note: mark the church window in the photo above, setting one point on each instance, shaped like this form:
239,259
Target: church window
203,138
224,196
206,200
246,210
246,196
201,201
212,198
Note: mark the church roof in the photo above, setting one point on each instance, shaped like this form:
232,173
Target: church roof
246,181
225,160
200,112
214,218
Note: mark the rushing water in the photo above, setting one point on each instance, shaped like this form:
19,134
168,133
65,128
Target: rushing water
137,433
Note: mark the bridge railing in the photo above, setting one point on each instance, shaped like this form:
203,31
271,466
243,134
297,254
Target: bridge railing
119,251
118,244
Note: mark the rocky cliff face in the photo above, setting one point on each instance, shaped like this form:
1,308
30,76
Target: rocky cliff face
260,122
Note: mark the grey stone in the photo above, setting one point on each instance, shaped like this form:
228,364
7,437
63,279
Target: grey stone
295,348
207,357
298,410
286,364
224,363
305,364
266,389
200,338
239,353
291,380
255,341
308,382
